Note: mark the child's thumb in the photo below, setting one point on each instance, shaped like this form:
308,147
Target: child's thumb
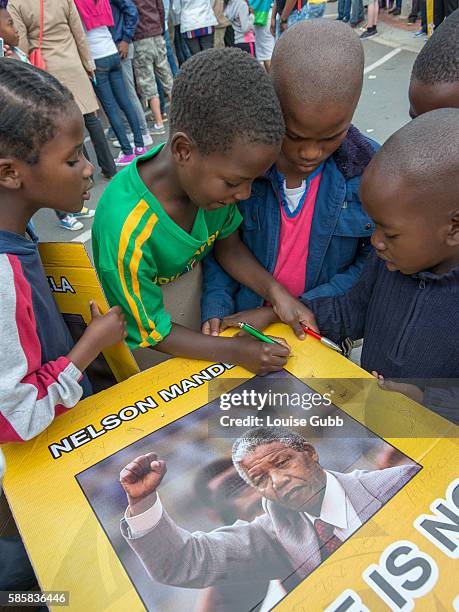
95,312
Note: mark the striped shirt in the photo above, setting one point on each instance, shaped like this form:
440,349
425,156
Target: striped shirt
138,247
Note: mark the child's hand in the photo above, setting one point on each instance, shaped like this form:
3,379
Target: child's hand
103,331
292,311
260,357
411,391
108,329
211,327
259,318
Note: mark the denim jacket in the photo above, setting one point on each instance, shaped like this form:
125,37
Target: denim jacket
339,240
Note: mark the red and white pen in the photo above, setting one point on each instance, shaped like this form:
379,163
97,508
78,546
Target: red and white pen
326,341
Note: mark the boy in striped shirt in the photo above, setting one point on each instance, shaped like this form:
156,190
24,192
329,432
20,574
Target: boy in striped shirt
160,216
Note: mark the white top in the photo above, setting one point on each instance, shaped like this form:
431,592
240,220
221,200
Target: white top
293,196
194,14
101,43
337,510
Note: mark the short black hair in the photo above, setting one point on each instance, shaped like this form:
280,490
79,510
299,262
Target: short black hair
423,153
438,61
318,61
221,95
31,100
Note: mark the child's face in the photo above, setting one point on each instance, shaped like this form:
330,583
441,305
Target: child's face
62,177
426,97
7,29
410,236
312,134
218,179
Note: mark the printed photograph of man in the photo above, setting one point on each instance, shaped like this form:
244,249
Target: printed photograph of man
308,512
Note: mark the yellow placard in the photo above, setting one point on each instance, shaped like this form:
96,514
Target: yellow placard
73,282
64,491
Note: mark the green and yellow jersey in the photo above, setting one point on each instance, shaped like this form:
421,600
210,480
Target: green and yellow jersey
138,247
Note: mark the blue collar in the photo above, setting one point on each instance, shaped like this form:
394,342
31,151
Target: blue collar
281,192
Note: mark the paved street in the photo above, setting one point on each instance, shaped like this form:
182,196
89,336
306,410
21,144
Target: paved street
382,109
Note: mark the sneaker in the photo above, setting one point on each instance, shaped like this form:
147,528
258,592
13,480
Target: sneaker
420,33
158,129
369,32
124,160
147,139
396,12
70,223
357,24
412,19
138,151
85,213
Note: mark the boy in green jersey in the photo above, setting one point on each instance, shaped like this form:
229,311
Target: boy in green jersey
165,212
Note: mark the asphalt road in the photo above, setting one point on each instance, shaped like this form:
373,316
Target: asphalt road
383,108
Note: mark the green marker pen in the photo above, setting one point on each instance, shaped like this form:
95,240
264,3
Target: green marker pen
258,334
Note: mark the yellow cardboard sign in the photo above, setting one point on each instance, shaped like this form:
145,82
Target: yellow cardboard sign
73,282
397,552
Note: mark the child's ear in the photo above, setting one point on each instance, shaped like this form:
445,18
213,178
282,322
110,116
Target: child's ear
9,175
453,233
181,148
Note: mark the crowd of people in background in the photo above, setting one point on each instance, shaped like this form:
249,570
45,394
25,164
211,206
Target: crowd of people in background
126,49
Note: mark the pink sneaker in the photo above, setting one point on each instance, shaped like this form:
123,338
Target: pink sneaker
124,160
140,151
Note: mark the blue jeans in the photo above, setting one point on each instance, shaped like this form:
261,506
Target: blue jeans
181,48
111,90
344,9
357,11
172,64
316,11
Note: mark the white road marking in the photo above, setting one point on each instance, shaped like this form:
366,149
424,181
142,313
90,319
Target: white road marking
84,237
382,60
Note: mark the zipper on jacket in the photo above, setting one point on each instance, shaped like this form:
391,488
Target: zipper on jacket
410,321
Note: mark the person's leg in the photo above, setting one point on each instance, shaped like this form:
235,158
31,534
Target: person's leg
341,6
193,45
100,144
170,54
206,42
423,16
119,91
439,12
128,77
162,99
181,48
161,65
106,96
356,12
144,58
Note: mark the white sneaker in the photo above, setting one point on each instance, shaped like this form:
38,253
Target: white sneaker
158,129
147,140
70,223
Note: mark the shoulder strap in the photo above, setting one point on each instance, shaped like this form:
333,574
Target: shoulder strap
42,22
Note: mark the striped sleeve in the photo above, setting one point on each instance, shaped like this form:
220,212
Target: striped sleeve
132,285
31,393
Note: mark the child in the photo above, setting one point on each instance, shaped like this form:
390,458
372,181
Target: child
164,213
238,14
304,222
10,34
435,76
41,165
405,304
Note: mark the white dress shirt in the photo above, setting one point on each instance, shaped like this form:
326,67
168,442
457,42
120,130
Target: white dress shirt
337,510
